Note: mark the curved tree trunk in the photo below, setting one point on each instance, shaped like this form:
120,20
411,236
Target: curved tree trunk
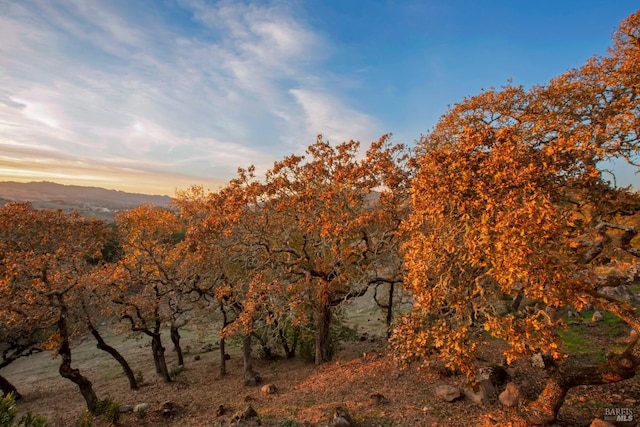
7,387
102,345
66,371
175,339
544,409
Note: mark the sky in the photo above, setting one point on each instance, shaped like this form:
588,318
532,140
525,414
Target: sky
152,96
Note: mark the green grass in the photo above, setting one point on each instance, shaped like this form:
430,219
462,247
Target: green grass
578,345
608,318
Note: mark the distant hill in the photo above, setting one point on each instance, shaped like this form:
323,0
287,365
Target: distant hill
91,201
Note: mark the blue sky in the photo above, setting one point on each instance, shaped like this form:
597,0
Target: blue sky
154,95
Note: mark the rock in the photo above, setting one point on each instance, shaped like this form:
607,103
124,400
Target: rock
141,407
597,316
227,356
632,336
447,393
341,418
622,293
125,409
537,361
209,347
196,357
252,379
248,413
480,392
268,389
378,399
510,396
601,423
168,409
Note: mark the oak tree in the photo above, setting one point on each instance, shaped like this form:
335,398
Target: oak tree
45,259
512,200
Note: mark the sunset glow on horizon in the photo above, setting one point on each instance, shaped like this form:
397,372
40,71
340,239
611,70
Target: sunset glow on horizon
154,97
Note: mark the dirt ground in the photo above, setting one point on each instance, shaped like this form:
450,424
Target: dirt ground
306,394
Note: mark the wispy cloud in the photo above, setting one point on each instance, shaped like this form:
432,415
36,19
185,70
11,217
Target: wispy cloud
107,84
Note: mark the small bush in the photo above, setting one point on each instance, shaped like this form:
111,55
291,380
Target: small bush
139,377
176,370
31,420
109,409
86,420
8,413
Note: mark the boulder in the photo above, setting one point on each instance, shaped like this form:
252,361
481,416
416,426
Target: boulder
125,409
141,408
168,409
510,396
378,399
480,392
341,418
268,389
537,361
247,414
447,393
597,316
252,379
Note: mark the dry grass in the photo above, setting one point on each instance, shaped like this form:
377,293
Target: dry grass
306,393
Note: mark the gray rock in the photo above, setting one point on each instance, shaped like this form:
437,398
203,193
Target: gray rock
247,414
510,396
141,407
447,393
252,379
597,316
168,409
125,409
537,361
622,292
341,418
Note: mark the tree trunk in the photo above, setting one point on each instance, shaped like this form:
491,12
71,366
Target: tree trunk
223,358
66,371
7,387
158,358
223,354
544,409
289,350
390,309
246,353
102,345
175,338
323,323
